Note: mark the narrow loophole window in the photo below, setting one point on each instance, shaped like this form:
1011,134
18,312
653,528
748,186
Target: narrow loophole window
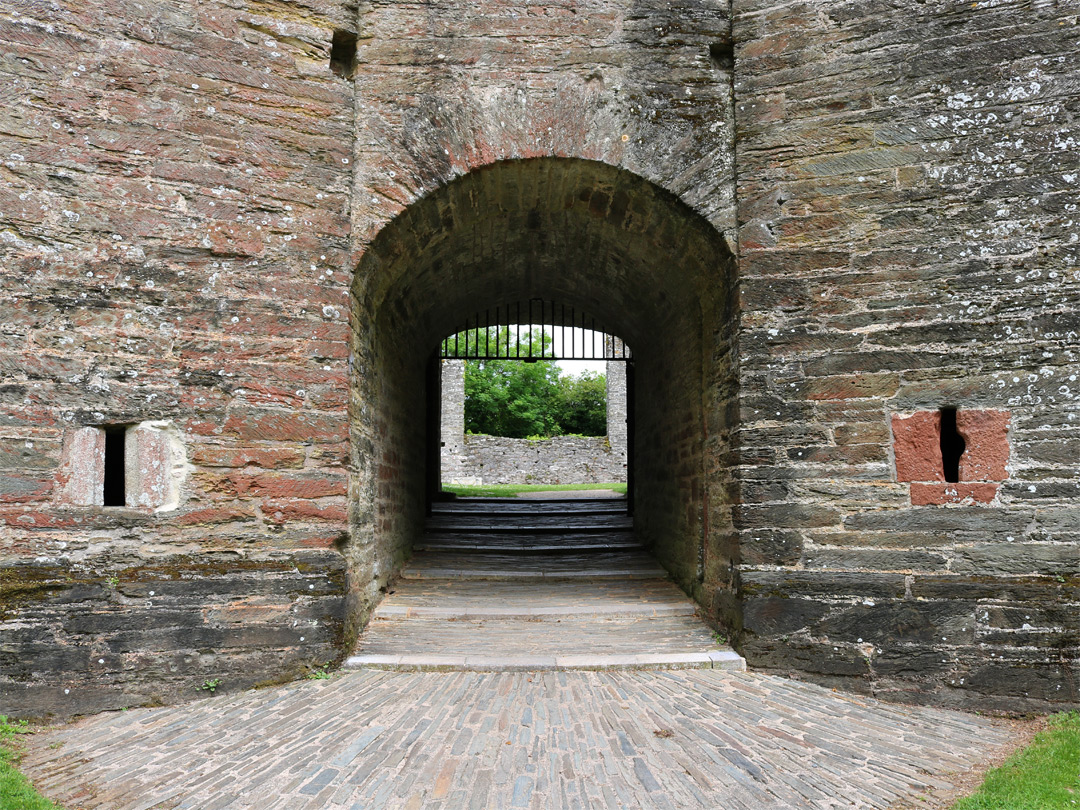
115,493
952,446
343,53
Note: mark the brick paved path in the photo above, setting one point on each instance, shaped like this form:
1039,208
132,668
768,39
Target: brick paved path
374,739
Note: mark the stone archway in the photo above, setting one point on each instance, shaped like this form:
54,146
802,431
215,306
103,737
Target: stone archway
585,233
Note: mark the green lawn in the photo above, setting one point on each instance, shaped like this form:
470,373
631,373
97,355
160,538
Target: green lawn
510,490
1043,776
15,791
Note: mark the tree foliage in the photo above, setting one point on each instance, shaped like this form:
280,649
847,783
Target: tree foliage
520,399
581,404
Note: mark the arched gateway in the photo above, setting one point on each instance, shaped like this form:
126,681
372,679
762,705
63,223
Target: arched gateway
205,472
592,236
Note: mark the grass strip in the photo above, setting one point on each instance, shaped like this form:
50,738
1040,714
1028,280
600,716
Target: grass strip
510,490
1043,776
16,792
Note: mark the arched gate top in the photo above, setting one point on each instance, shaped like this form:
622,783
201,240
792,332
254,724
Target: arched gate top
531,330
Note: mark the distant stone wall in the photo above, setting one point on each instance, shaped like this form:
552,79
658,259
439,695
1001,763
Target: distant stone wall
454,463
616,405
558,460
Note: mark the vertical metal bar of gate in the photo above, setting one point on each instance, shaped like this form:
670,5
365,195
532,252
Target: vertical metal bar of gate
631,408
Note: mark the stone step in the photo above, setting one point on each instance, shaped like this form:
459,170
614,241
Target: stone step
531,507
598,565
509,548
530,524
535,614
566,643
724,659
534,601
528,544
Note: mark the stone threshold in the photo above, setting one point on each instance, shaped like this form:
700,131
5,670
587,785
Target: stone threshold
518,574
717,659
521,548
629,611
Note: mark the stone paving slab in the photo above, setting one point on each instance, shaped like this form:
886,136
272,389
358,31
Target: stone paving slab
371,739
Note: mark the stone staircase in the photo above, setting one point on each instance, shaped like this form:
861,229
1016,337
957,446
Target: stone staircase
515,584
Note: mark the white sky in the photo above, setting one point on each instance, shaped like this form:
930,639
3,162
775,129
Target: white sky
577,366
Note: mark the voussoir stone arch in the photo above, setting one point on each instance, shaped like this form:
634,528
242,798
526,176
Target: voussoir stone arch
578,231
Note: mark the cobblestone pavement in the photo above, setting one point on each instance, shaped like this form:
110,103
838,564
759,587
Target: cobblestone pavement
372,739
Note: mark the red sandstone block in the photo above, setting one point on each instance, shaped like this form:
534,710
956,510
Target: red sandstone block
986,434
212,455
278,485
287,426
260,394
82,473
917,446
939,494
284,511
201,427
318,541
214,515
22,519
148,467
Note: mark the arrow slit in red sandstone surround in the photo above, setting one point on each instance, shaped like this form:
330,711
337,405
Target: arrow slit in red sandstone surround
925,453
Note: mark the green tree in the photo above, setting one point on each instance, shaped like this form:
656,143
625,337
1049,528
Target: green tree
518,398
581,404
510,397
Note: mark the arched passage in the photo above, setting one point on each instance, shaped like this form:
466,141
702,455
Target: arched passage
580,232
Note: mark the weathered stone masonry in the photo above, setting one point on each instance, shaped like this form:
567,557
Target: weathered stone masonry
815,223
174,207
909,241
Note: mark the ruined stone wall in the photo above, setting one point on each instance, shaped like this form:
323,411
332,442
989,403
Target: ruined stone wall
174,186
558,460
617,403
452,418
909,241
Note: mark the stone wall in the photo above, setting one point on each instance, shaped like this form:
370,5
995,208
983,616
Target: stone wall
822,227
909,242
173,263
558,460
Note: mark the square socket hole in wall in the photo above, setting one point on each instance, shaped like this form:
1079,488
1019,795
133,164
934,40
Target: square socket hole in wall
343,53
722,55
